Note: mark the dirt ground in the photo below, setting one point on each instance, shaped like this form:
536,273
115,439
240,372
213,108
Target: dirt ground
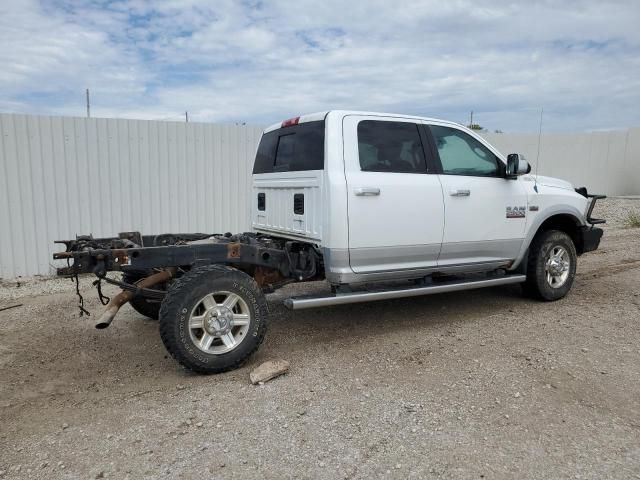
481,384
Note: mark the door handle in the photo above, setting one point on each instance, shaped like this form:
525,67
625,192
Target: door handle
367,191
460,193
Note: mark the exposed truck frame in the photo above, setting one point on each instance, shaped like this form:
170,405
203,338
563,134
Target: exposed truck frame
271,262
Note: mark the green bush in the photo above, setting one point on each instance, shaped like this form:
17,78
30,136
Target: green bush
633,219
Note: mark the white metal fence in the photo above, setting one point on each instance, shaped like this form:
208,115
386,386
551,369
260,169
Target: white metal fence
62,176
604,162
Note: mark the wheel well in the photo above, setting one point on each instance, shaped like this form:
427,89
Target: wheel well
565,223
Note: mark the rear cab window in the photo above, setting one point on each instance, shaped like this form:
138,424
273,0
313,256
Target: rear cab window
291,149
388,146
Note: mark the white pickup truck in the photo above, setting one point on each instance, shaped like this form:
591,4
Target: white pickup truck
378,205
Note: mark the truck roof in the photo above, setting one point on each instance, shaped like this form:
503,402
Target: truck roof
312,117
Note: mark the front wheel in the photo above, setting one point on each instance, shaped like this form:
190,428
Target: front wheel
213,319
551,266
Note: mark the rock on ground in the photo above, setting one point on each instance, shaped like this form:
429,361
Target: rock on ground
269,370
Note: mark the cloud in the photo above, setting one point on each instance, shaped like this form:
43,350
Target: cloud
259,62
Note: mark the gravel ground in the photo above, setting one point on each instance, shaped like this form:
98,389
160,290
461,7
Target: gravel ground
481,384
616,210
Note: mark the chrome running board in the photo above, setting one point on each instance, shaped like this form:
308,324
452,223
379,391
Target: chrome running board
301,303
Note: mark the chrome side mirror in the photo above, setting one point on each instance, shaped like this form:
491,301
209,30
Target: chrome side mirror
517,165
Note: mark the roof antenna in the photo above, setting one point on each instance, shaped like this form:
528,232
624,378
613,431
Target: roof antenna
535,186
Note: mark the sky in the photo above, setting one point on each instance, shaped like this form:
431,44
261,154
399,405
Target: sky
259,62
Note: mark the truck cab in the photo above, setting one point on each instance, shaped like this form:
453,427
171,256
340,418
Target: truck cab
389,196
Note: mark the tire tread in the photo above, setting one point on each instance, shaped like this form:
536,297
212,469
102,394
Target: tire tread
139,303
532,286
170,306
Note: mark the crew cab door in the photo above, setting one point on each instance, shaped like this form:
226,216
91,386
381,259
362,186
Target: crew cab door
395,205
485,212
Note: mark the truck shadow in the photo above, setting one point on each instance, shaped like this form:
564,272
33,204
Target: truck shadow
415,316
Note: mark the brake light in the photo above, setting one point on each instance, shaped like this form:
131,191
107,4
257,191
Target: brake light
291,122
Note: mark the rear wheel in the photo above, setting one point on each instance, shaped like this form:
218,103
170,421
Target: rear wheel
551,266
143,306
213,319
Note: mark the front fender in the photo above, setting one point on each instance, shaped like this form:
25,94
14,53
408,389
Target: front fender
534,226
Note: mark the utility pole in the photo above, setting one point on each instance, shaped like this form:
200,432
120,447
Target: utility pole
88,105
471,119
186,117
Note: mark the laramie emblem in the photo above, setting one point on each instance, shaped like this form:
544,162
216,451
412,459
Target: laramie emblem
516,212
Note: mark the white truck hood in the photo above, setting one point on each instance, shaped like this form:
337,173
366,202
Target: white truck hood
552,182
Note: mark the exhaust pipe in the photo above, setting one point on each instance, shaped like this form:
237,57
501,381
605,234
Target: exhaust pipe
124,296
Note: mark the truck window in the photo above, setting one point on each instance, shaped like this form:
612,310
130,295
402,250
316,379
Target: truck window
291,149
385,146
461,154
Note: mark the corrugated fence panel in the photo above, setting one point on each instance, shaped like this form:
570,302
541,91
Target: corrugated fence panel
66,176
62,176
631,166
604,162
